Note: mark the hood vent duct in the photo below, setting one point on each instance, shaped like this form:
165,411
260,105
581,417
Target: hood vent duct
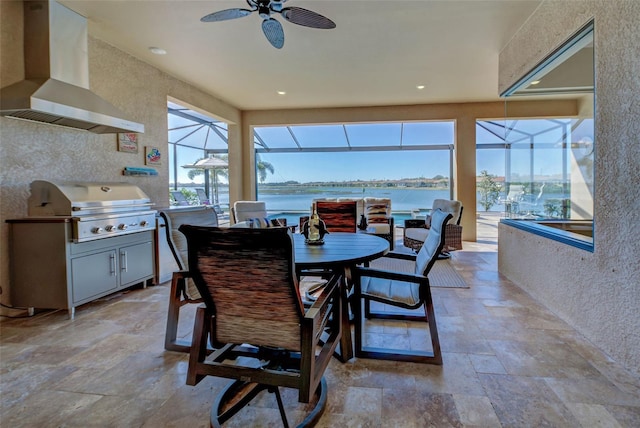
56,85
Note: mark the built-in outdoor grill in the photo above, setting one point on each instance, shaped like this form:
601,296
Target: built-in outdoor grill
79,242
96,210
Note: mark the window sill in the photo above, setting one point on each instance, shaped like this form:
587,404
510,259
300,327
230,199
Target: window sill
558,230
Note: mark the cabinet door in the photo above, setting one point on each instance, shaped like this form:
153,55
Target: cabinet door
94,275
136,263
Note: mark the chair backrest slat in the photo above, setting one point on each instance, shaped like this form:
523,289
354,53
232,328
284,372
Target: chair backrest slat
247,279
338,216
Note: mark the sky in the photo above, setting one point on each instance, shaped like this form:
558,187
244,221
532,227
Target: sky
380,164
346,166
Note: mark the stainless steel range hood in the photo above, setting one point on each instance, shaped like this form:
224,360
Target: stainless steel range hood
56,85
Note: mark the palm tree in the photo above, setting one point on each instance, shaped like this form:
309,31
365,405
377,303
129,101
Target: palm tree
262,167
222,173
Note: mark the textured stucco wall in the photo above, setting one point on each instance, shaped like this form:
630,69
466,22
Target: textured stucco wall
31,151
597,293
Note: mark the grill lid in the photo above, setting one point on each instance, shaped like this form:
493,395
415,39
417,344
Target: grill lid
77,199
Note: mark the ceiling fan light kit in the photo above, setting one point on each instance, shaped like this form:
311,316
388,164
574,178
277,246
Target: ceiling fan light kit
271,27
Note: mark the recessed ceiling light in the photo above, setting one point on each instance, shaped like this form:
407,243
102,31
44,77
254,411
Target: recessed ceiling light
157,51
282,93
535,82
420,86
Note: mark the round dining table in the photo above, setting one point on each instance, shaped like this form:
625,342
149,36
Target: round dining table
339,250
339,253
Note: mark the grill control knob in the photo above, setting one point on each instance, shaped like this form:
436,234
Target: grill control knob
110,228
143,223
122,226
97,230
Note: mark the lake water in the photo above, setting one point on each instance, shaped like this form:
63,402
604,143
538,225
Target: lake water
298,199
292,201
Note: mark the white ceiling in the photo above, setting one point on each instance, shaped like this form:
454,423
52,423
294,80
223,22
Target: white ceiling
377,55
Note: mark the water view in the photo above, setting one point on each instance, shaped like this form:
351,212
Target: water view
292,201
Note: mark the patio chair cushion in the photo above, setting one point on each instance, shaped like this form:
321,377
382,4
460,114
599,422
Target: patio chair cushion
417,233
243,210
405,293
379,228
378,212
449,206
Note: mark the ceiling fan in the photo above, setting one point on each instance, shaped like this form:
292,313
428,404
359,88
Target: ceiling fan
271,27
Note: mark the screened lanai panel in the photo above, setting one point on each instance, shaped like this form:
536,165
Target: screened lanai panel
427,133
200,136
192,129
320,136
374,134
522,129
274,137
217,139
490,132
551,138
177,122
179,134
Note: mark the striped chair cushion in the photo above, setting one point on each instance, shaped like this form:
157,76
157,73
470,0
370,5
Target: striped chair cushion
377,210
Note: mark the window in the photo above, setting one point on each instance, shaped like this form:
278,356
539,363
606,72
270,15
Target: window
194,136
410,163
550,162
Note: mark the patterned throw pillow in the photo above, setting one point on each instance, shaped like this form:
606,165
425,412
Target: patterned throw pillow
376,213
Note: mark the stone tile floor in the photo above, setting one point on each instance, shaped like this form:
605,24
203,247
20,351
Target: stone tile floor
508,362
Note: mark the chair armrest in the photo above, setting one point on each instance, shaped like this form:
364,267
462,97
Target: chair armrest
179,283
328,291
414,223
303,220
181,274
325,310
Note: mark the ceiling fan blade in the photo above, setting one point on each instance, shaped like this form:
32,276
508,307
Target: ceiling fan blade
308,18
273,31
224,15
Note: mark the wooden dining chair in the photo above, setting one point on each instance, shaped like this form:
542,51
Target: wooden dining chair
252,308
402,290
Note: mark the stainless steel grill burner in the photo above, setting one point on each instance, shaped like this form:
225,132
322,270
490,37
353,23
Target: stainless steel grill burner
96,210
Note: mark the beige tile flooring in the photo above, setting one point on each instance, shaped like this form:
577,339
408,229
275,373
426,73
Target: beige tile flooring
508,362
